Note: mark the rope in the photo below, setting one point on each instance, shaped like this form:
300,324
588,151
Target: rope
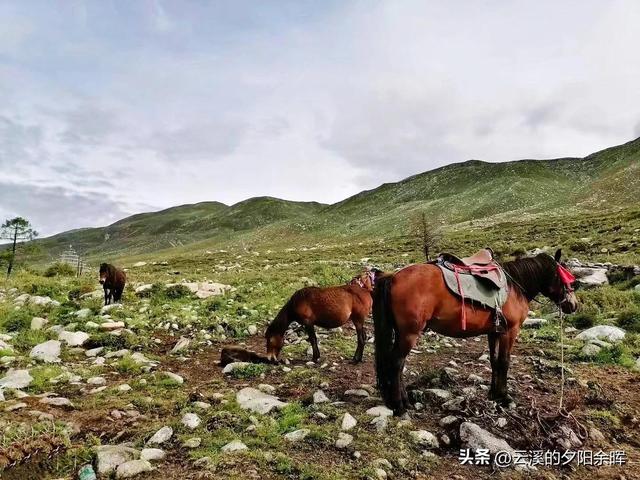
560,407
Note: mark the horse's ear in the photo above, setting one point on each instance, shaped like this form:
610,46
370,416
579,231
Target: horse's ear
558,255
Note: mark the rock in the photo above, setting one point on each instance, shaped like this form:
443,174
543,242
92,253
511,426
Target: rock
161,436
94,352
174,377
320,397
591,277
297,435
15,406
534,323
16,379
73,339
112,325
437,394
96,381
57,402
475,378
83,313
192,442
448,420
139,264
205,289
143,288
596,436
132,468
344,440
152,454
474,437
230,367
424,438
202,405
252,399
191,420
252,329
358,392
380,423
380,411
602,332
109,457
109,307
181,344
140,359
454,405
37,323
234,446
348,422
48,352
125,387
380,473
266,388
590,350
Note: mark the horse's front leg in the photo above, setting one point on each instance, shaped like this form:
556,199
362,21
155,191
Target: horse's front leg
493,359
504,359
106,296
313,340
362,340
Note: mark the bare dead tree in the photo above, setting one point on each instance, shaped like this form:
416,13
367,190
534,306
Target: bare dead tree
426,233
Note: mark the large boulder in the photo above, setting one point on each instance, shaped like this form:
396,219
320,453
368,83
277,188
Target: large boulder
16,379
205,289
591,277
73,339
48,352
608,333
252,399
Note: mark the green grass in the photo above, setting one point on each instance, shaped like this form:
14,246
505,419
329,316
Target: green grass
251,370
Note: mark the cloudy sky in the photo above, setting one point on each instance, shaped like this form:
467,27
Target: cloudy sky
109,108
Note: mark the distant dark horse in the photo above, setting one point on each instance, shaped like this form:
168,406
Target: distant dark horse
112,280
328,307
416,298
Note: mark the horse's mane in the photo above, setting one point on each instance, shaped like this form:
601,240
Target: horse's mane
530,274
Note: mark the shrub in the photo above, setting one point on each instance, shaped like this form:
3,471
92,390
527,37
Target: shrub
583,320
175,292
60,269
17,320
249,371
629,319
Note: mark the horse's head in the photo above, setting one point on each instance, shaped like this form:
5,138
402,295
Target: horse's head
104,272
560,289
366,279
275,342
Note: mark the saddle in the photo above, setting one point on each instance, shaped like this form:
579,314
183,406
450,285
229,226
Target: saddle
478,278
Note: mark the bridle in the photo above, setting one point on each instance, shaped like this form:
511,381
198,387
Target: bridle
567,279
358,280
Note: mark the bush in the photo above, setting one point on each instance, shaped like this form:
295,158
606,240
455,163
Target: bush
583,320
175,292
629,319
17,320
60,269
249,371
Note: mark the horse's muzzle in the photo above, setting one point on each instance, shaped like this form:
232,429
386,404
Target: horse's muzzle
101,282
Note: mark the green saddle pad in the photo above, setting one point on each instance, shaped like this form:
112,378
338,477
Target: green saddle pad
476,289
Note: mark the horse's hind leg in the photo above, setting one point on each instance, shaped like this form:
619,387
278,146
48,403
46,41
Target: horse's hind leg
362,340
401,349
311,331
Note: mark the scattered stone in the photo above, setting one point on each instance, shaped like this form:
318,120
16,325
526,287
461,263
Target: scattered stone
230,367
358,392
191,420
234,446
348,422
266,388
83,313
112,325
48,352
454,405
109,457
192,442
320,397
590,350
602,332
132,468
174,377
181,344
424,438
57,402
596,436
202,405
534,323
475,378
501,422
15,406
252,399
161,436
474,437
344,440
380,411
152,454
437,394
73,339
380,423
297,435
37,323
94,352
96,381
591,277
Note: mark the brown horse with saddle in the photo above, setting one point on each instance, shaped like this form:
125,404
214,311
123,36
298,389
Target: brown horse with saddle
327,307
113,281
461,298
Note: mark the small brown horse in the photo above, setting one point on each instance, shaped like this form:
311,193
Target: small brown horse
328,307
112,280
417,298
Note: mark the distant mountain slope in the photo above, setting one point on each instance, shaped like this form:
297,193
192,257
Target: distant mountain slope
473,190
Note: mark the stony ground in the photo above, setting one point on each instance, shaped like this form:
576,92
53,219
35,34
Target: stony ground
142,394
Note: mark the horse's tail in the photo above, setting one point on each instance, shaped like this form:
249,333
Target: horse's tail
385,334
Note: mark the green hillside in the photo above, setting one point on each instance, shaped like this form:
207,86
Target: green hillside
453,195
